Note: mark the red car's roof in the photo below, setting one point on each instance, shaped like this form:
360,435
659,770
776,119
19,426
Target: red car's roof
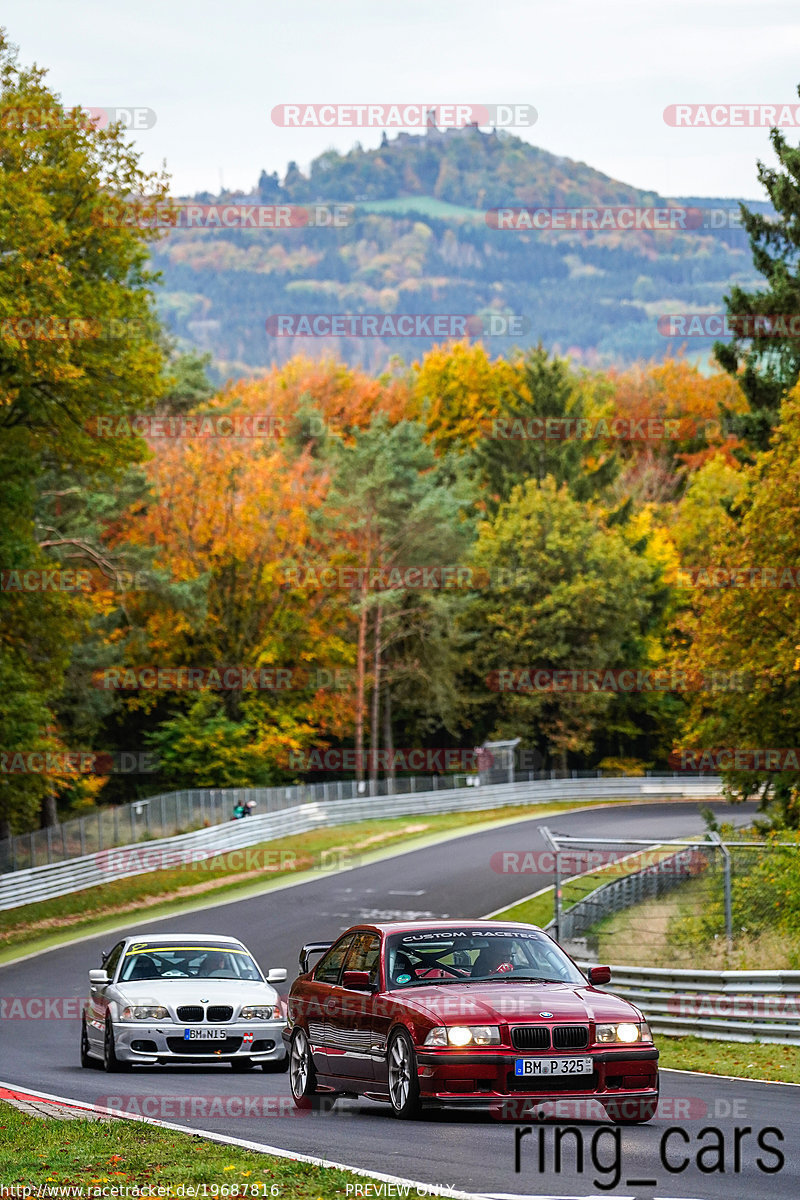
407,926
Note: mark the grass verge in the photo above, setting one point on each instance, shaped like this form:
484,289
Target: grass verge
101,1155
745,1060
39,926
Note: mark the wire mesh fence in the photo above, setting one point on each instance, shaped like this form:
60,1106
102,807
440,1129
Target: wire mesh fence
177,812
732,904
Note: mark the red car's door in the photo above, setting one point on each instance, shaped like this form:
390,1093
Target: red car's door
350,1027
319,1002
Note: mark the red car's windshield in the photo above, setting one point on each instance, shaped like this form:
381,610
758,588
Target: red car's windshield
464,954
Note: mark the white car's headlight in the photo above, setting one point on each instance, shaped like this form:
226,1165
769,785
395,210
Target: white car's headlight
260,1012
626,1032
144,1012
464,1035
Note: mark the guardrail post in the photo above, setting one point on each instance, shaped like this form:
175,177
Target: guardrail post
551,842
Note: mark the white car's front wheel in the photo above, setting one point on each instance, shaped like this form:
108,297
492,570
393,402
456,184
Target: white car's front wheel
86,1058
110,1060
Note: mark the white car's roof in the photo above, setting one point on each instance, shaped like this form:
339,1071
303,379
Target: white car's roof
186,937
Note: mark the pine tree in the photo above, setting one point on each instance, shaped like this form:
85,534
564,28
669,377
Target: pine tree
767,366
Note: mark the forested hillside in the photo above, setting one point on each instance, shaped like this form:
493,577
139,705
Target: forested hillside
418,241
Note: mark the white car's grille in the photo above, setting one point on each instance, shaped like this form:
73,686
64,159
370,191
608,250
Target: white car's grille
191,1013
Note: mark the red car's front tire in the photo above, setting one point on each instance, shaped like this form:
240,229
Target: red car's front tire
403,1078
302,1076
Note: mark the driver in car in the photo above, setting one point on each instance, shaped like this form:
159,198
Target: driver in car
217,965
493,960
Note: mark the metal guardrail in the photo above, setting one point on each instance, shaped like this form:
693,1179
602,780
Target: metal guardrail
170,813
91,870
734,1006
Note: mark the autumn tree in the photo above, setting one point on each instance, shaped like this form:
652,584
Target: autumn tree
562,590
751,632
512,451
765,362
79,339
394,506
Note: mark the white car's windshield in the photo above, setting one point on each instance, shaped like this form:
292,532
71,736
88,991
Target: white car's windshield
146,961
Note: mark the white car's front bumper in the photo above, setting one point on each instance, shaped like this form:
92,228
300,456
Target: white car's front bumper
164,1041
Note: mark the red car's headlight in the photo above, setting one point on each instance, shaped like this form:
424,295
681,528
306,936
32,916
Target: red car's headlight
624,1032
464,1035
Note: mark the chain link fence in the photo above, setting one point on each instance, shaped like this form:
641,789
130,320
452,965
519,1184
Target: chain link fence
711,903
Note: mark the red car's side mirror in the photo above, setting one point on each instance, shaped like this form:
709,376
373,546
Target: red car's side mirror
599,974
358,980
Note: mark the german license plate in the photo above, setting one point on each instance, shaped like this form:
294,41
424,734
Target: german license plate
552,1066
204,1035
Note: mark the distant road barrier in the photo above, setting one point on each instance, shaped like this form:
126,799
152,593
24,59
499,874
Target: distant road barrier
90,870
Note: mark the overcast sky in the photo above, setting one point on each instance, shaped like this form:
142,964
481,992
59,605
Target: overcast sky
599,74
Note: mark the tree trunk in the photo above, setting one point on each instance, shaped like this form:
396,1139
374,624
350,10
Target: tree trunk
48,815
375,735
361,664
388,739
361,654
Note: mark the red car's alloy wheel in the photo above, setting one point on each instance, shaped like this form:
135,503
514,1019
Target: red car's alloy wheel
302,1076
403,1080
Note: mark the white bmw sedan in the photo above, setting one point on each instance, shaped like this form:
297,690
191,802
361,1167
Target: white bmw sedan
183,998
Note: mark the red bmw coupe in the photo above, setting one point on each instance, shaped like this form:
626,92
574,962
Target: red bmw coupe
463,1012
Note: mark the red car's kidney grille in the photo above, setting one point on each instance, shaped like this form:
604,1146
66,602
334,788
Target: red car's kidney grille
530,1037
570,1037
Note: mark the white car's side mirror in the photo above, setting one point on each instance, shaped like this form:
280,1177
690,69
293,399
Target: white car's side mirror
277,975
98,977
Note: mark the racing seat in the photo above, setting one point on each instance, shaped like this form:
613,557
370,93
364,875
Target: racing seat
144,968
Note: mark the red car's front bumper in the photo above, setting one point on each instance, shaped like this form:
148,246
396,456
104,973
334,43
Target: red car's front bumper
480,1076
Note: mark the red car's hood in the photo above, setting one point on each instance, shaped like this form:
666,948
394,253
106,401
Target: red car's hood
506,1003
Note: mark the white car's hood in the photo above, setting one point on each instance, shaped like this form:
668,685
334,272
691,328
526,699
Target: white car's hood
172,992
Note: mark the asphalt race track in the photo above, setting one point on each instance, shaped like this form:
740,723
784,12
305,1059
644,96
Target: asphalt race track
471,1151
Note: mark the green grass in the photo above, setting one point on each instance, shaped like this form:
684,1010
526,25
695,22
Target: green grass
426,206
100,1155
39,926
745,1060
